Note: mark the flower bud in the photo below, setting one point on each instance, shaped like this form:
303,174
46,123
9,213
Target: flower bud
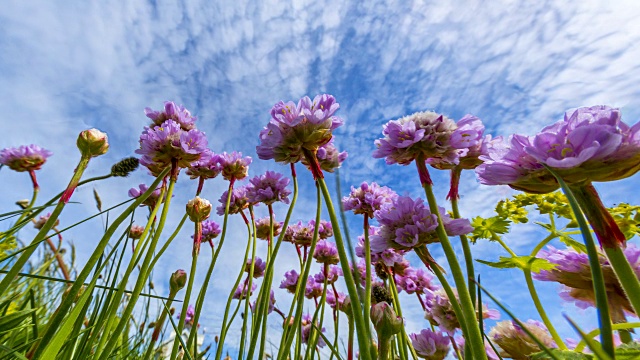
135,232
198,209
178,280
124,167
380,294
385,320
92,143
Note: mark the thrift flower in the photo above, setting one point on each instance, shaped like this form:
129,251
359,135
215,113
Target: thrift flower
135,232
268,188
173,112
430,345
440,312
306,330
334,273
368,198
210,230
290,281
258,267
425,134
313,290
326,252
239,201
573,271
150,201
24,158
43,219
262,228
300,234
207,167
92,143
515,343
161,145
329,158
242,289
234,166
325,230
469,140
337,300
294,129
415,281
408,224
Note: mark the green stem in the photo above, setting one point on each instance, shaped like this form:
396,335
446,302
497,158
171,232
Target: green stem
384,346
185,307
298,299
68,300
466,249
626,276
140,283
536,300
473,335
356,307
623,326
24,257
253,241
367,286
599,286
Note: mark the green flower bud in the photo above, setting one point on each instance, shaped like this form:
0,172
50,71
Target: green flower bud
178,280
385,320
92,143
198,209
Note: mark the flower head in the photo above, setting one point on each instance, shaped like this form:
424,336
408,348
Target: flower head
424,134
258,267
589,144
43,219
469,140
299,234
290,281
207,167
326,252
173,112
178,280
294,129
306,330
160,145
415,281
198,209
440,312
329,158
263,225
334,272
210,230
313,290
515,342
325,230
385,320
135,232
24,158
573,271
239,201
408,223
430,345
339,300
368,198
150,201
234,166
268,188
242,290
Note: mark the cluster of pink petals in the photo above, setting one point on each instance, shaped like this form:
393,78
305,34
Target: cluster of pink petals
263,228
268,188
174,112
294,128
589,144
239,201
290,281
368,198
415,281
430,345
24,158
408,223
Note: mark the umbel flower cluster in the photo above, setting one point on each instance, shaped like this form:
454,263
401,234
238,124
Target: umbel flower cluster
326,287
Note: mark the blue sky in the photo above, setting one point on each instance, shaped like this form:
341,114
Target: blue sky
69,66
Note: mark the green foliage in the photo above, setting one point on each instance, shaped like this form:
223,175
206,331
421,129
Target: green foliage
627,217
562,354
489,228
530,263
7,243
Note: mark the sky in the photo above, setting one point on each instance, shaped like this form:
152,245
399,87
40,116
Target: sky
518,65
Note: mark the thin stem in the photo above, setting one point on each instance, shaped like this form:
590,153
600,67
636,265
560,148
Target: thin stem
356,307
473,335
466,249
367,288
